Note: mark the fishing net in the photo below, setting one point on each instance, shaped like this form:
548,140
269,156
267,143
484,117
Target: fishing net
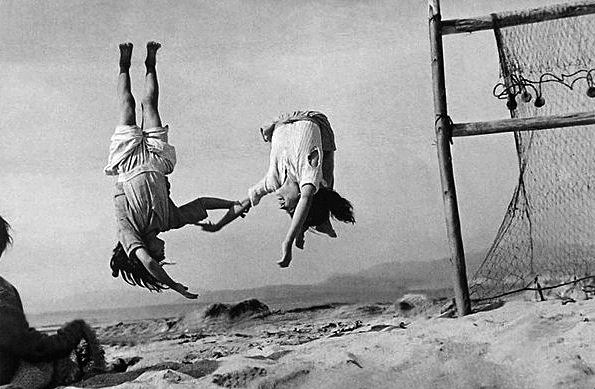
549,227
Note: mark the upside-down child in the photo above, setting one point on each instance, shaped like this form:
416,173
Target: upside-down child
141,157
301,173
329,147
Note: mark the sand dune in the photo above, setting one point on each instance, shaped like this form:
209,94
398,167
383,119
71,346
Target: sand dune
521,344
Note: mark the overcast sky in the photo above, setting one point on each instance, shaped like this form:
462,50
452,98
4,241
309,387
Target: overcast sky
224,68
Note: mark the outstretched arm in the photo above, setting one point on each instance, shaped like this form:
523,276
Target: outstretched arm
237,208
161,275
33,346
297,221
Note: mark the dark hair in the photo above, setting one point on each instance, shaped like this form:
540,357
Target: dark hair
5,238
326,203
133,271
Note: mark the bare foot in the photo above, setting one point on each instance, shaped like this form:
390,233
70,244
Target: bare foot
152,48
125,54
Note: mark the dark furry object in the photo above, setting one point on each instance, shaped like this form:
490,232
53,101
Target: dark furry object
86,360
133,271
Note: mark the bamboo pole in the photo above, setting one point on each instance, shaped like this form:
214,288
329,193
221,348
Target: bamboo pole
507,19
449,195
523,124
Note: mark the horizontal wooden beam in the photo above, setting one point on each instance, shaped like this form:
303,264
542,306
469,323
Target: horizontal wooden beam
507,19
523,124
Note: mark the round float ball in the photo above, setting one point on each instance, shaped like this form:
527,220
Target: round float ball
591,91
539,101
511,103
526,96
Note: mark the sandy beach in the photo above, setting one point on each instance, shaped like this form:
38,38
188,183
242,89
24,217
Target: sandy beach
512,344
458,137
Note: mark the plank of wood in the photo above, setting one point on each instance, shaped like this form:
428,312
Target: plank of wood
508,19
523,124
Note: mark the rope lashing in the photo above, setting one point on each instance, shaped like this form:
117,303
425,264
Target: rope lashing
449,122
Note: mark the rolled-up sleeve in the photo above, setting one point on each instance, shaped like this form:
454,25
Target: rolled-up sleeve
258,191
268,184
311,172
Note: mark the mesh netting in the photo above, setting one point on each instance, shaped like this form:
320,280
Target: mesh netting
549,228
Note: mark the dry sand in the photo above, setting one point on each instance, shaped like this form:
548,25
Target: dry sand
520,344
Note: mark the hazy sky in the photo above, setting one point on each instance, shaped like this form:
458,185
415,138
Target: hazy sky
225,68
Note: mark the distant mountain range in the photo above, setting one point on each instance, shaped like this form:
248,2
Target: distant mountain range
384,282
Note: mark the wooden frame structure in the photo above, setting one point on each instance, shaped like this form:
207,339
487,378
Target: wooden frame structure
445,129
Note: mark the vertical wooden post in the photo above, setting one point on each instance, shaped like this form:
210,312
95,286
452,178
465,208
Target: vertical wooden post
443,128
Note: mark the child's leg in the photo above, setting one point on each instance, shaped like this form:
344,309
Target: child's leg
216,203
328,168
125,98
150,99
328,175
235,209
196,211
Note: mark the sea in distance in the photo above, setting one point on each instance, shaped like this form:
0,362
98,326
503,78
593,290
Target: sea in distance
276,298
108,316
50,321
